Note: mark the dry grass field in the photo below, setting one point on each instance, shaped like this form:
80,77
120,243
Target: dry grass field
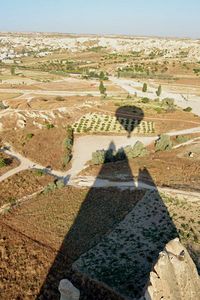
43,146
10,163
22,184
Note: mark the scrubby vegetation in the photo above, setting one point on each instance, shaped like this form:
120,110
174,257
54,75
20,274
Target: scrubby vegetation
58,184
181,139
102,156
164,143
188,109
2,106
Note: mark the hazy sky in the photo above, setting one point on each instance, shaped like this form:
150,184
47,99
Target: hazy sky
135,17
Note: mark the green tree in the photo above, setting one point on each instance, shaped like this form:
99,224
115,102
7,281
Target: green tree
102,88
102,75
159,91
144,89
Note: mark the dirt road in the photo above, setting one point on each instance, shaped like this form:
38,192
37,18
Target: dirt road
134,87
82,153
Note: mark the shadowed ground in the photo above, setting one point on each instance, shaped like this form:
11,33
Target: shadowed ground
135,229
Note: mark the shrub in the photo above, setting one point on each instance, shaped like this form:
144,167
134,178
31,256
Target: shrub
159,110
128,151
49,126
2,162
29,136
144,88
68,143
169,104
39,172
67,159
49,188
12,201
188,109
181,139
120,155
145,100
109,156
2,106
60,184
168,101
164,143
139,150
59,98
98,157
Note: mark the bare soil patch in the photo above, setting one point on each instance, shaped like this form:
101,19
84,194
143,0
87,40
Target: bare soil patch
7,96
24,263
44,146
70,84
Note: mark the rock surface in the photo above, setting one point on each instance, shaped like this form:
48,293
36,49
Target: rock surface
174,276
68,291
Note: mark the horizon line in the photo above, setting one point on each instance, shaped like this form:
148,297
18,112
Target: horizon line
100,34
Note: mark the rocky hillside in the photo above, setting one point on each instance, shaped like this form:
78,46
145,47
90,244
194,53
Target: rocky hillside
174,276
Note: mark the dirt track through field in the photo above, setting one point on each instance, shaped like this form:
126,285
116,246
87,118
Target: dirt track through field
182,100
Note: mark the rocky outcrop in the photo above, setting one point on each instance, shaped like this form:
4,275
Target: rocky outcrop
174,276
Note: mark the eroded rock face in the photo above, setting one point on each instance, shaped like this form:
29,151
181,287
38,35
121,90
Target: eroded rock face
174,276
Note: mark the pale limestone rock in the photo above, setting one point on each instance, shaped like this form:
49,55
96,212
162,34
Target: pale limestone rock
68,291
174,276
21,124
